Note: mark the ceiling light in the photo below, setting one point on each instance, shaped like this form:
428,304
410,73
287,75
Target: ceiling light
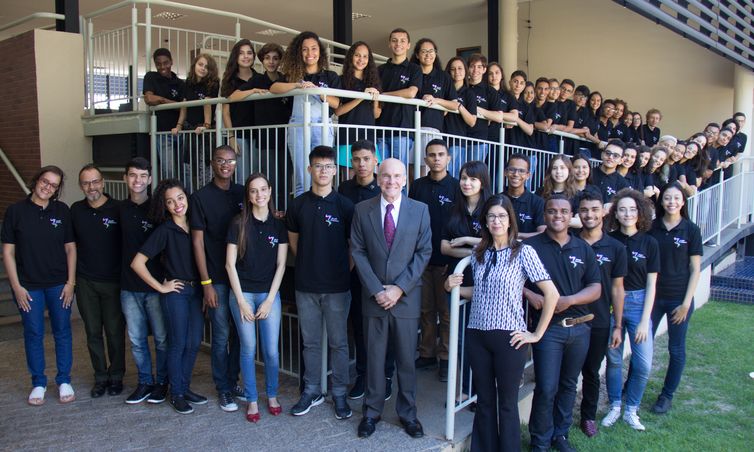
169,15
357,16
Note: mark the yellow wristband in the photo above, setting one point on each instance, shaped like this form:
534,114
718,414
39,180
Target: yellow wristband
207,282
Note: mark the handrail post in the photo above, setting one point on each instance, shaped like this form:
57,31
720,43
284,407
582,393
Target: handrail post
417,143
720,209
740,177
238,30
307,144
450,399
134,57
325,122
147,38
90,63
501,161
153,149
561,145
219,126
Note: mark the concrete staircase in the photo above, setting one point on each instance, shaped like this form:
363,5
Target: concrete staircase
735,284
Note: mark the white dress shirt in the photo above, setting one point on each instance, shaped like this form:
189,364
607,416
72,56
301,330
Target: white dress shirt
396,209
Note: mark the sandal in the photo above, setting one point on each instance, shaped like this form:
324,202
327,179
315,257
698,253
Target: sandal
66,393
37,396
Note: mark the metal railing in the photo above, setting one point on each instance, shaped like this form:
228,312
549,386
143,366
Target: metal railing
124,55
31,17
14,172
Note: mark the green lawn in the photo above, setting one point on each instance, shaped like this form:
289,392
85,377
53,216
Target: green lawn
713,409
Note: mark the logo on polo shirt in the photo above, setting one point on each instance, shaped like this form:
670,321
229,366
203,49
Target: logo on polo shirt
272,240
444,200
679,241
557,116
330,219
404,79
575,261
602,259
481,100
55,222
524,217
174,92
436,88
323,84
619,132
145,225
200,95
610,191
107,222
476,226
637,255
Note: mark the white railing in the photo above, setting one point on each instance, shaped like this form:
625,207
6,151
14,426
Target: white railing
14,172
129,49
31,17
117,189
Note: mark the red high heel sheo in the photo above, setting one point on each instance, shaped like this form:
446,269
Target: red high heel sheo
274,410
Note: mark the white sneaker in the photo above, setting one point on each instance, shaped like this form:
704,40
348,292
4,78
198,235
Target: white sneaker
632,419
612,417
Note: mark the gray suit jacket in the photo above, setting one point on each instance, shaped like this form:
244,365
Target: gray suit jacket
402,265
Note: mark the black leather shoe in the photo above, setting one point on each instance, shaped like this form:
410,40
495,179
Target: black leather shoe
413,428
99,389
115,388
367,426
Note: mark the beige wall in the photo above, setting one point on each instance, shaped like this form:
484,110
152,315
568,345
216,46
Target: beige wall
60,93
450,37
622,54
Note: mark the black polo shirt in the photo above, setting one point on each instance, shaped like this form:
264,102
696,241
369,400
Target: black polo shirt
39,235
256,268
438,84
169,88
618,131
738,142
357,193
467,225
540,139
241,113
211,210
362,115
439,197
98,245
643,257
508,103
609,184
650,137
604,130
395,77
688,170
611,258
530,211
676,247
572,267
174,244
269,111
518,137
635,179
487,98
136,227
454,123
630,135
195,115
324,227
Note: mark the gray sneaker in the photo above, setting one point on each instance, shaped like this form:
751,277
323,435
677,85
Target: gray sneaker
305,403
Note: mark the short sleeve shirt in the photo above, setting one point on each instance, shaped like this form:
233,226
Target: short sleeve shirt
530,211
241,113
609,184
170,88
256,268
357,193
676,245
268,111
454,123
643,257
173,244
611,258
437,84
487,98
195,115
439,197
136,227
396,77
39,235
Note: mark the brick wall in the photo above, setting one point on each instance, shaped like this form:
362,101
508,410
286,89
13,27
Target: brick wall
19,127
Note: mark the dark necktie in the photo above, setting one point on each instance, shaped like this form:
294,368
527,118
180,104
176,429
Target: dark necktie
389,225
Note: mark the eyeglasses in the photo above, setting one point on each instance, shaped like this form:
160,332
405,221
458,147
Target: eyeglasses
521,171
491,217
427,52
612,155
91,183
46,183
224,161
320,167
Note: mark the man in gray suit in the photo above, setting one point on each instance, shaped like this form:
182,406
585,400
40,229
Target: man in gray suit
391,242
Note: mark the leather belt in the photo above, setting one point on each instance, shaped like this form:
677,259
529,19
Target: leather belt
188,283
571,321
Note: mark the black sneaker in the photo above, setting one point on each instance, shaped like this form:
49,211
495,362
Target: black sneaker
342,410
662,405
159,393
227,403
388,388
180,405
442,372
305,403
561,444
238,393
194,398
141,394
357,391
115,388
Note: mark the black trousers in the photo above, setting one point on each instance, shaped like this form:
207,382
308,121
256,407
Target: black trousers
590,386
497,369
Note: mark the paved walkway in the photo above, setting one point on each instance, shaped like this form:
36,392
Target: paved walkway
109,424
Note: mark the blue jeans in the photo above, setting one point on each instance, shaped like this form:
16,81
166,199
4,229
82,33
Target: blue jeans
185,323
143,312
676,342
457,159
168,155
299,155
478,151
269,331
641,356
225,349
34,335
333,308
397,146
558,359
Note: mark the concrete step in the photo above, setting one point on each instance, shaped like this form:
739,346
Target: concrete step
7,305
732,294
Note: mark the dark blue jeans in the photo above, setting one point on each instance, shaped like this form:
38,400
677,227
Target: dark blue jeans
226,349
558,359
144,313
184,322
34,335
676,342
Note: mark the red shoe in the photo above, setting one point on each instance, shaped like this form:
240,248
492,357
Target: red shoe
253,418
274,410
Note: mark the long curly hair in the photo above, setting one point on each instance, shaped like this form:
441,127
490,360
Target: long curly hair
158,211
643,210
231,68
211,81
371,77
293,65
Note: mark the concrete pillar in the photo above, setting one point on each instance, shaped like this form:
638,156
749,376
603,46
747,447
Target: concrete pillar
509,35
743,99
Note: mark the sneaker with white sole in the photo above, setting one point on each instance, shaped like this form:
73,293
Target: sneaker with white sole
632,419
226,401
611,417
